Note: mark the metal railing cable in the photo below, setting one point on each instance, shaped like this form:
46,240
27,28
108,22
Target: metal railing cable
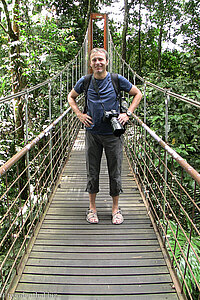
171,203
22,214
27,148
183,163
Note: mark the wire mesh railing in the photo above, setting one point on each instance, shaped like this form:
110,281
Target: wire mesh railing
29,170
172,195
27,183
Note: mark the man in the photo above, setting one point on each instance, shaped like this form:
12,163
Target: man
99,134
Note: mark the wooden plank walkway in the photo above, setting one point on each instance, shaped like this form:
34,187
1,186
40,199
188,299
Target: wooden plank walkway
72,259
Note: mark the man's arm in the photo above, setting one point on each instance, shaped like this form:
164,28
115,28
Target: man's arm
84,118
134,91
137,98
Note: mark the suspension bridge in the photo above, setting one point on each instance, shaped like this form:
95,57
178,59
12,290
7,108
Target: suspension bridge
50,251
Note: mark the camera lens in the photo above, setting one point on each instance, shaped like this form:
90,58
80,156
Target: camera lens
118,128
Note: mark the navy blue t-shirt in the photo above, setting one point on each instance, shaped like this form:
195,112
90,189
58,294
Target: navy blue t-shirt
108,97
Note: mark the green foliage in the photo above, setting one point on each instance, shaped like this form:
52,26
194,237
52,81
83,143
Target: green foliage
77,13
190,26
6,133
50,49
184,125
192,259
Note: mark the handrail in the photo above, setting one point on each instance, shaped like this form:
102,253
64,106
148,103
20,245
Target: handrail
172,204
23,151
27,191
189,169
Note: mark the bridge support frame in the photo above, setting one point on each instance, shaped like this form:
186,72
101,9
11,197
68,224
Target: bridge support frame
97,16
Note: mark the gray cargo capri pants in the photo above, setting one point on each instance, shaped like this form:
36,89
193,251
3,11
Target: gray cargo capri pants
113,147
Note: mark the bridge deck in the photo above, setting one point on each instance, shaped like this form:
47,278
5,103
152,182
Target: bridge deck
72,259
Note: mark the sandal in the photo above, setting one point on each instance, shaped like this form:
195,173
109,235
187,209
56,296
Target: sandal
117,218
91,217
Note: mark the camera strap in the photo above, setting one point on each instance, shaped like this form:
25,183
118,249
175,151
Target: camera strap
117,127
96,88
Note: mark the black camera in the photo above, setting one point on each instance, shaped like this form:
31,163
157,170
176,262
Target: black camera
112,117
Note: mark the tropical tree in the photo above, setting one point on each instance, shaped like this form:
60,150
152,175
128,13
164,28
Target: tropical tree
190,26
125,28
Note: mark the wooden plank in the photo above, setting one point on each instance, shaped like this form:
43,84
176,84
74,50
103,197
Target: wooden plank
98,243
70,221
69,197
35,296
101,210
96,289
95,263
74,255
83,271
81,223
113,238
97,234
75,213
127,279
76,203
97,248
98,229
105,211
130,219
103,179
128,240
49,222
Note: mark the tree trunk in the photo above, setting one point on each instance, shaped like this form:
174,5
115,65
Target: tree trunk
16,64
139,39
160,48
16,69
17,83
125,28
88,16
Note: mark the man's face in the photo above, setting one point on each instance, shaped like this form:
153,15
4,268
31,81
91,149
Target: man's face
98,62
